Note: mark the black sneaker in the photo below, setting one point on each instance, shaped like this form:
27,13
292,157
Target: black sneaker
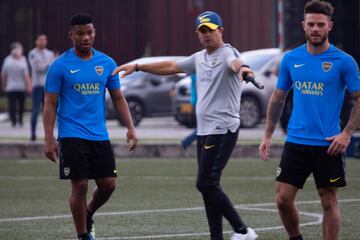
87,237
33,138
90,227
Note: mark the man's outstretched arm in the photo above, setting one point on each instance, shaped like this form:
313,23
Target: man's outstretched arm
159,68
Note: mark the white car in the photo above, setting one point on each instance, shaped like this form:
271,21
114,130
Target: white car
253,100
147,94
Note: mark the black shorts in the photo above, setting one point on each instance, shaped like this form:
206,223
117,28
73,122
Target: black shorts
80,158
299,161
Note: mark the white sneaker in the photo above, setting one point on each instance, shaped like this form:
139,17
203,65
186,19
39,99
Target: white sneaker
250,235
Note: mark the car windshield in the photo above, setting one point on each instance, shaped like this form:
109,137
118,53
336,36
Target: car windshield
256,61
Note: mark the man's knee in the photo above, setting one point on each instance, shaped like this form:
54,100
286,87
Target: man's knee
79,187
283,202
200,186
107,186
329,206
328,199
285,195
204,186
110,187
78,191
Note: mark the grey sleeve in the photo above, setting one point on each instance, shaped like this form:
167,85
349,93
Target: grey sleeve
187,65
38,66
230,55
26,66
31,58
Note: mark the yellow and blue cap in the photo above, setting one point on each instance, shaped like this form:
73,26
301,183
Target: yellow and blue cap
209,19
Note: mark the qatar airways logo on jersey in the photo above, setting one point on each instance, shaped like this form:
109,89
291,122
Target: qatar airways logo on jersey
310,88
87,88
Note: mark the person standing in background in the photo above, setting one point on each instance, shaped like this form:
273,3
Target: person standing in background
40,59
15,81
188,139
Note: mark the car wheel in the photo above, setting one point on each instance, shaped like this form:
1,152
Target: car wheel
136,111
250,112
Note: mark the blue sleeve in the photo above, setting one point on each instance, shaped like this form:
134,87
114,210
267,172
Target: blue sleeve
113,82
54,78
350,74
284,80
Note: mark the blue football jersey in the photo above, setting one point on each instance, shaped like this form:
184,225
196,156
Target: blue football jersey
319,82
81,85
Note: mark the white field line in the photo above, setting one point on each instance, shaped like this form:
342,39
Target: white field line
248,207
190,178
318,220
139,212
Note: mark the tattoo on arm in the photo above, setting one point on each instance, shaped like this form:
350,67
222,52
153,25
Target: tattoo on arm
354,120
274,111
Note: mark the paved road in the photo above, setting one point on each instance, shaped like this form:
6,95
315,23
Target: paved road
150,130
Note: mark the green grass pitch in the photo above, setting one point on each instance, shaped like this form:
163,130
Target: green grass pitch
157,199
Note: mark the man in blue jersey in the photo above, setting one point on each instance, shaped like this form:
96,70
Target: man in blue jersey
75,92
187,140
219,72
319,74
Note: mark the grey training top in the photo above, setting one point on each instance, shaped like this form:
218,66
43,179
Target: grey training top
40,60
15,71
218,89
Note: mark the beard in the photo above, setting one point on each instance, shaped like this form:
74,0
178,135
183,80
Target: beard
319,41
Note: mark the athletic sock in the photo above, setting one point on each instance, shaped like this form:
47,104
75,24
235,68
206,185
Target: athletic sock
83,236
297,238
89,214
242,230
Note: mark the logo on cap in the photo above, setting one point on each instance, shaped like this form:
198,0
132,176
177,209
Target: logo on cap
209,19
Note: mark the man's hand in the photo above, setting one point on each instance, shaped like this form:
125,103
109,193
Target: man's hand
264,149
128,69
51,150
245,71
131,139
339,143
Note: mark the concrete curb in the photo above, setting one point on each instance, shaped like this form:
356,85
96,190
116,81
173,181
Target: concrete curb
36,150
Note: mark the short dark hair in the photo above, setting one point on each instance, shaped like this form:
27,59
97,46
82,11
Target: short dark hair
15,45
317,6
41,34
81,19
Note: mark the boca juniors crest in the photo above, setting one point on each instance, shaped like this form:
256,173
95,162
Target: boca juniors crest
326,66
66,171
99,70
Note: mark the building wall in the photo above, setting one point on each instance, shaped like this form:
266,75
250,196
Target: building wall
128,29
249,24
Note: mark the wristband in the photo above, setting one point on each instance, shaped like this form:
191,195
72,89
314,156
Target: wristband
136,67
244,65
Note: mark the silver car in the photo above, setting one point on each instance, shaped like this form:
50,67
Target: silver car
253,101
147,94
